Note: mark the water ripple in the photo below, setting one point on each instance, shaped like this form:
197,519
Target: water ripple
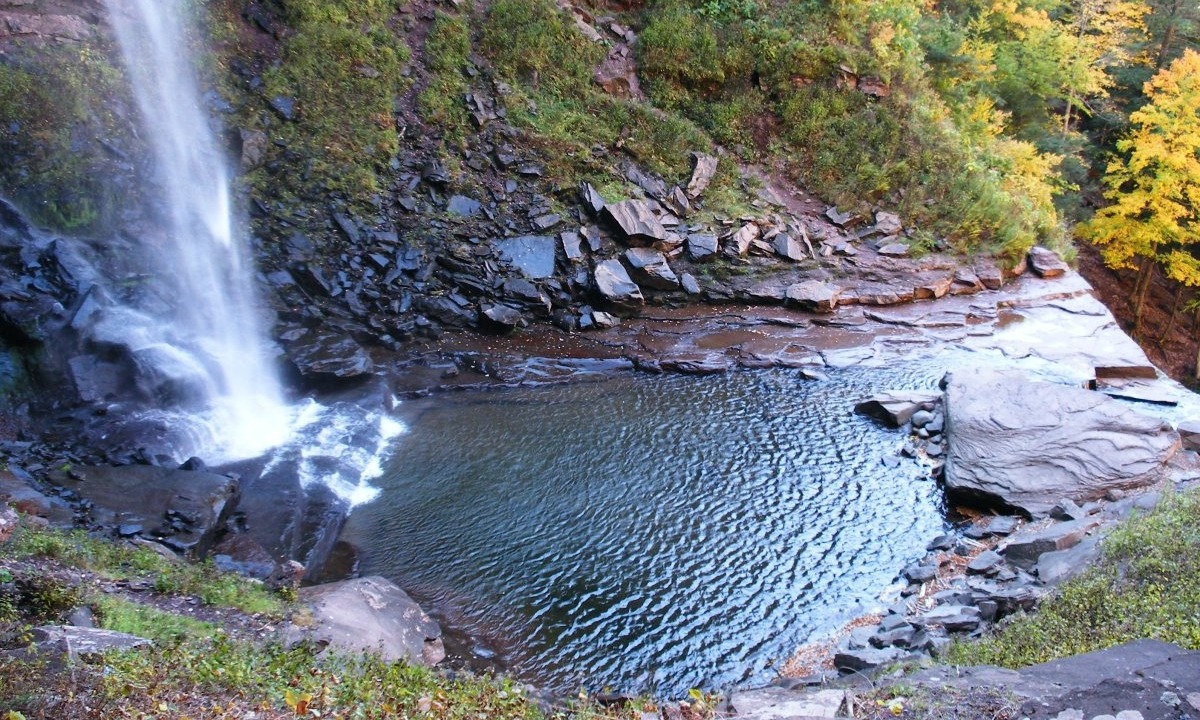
649,534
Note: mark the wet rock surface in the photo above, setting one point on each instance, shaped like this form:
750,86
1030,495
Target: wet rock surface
182,510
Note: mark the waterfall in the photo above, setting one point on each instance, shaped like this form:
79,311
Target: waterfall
210,327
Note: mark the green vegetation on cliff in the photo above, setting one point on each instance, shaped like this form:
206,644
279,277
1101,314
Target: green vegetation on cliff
342,70
62,120
446,49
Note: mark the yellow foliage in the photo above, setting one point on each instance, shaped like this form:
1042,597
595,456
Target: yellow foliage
1155,192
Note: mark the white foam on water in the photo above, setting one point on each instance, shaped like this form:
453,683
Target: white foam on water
341,446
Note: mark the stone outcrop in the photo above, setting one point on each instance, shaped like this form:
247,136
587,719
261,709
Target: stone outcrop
181,509
1046,263
1027,445
897,407
373,615
638,222
814,295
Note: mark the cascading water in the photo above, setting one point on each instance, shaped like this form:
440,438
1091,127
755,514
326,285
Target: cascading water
198,353
211,331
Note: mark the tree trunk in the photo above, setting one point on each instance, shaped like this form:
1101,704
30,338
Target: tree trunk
1168,39
1163,338
1139,295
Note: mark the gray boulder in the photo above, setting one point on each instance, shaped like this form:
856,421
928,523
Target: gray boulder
739,242
887,223
702,174
1027,444
648,268
370,614
638,222
814,295
787,246
955,618
1189,433
504,316
614,284
701,246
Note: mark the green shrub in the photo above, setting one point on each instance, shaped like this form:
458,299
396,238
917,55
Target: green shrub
54,104
343,69
678,55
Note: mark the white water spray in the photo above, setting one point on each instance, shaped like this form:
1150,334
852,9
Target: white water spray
214,312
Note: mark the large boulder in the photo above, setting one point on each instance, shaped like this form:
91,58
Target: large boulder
648,268
1027,445
328,355
702,174
370,614
614,284
638,222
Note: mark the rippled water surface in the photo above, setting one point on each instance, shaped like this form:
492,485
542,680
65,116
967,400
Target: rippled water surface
649,533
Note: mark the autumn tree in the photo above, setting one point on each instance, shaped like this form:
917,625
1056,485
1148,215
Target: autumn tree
1102,33
1154,189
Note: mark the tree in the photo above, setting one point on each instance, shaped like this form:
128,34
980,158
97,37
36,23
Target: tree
1154,215
1102,31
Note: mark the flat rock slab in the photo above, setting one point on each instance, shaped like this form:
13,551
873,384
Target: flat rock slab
1024,549
1027,445
1146,678
774,703
370,614
183,510
1127,678
76,643
531,254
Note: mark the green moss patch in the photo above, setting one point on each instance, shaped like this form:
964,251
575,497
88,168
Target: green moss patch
342,71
